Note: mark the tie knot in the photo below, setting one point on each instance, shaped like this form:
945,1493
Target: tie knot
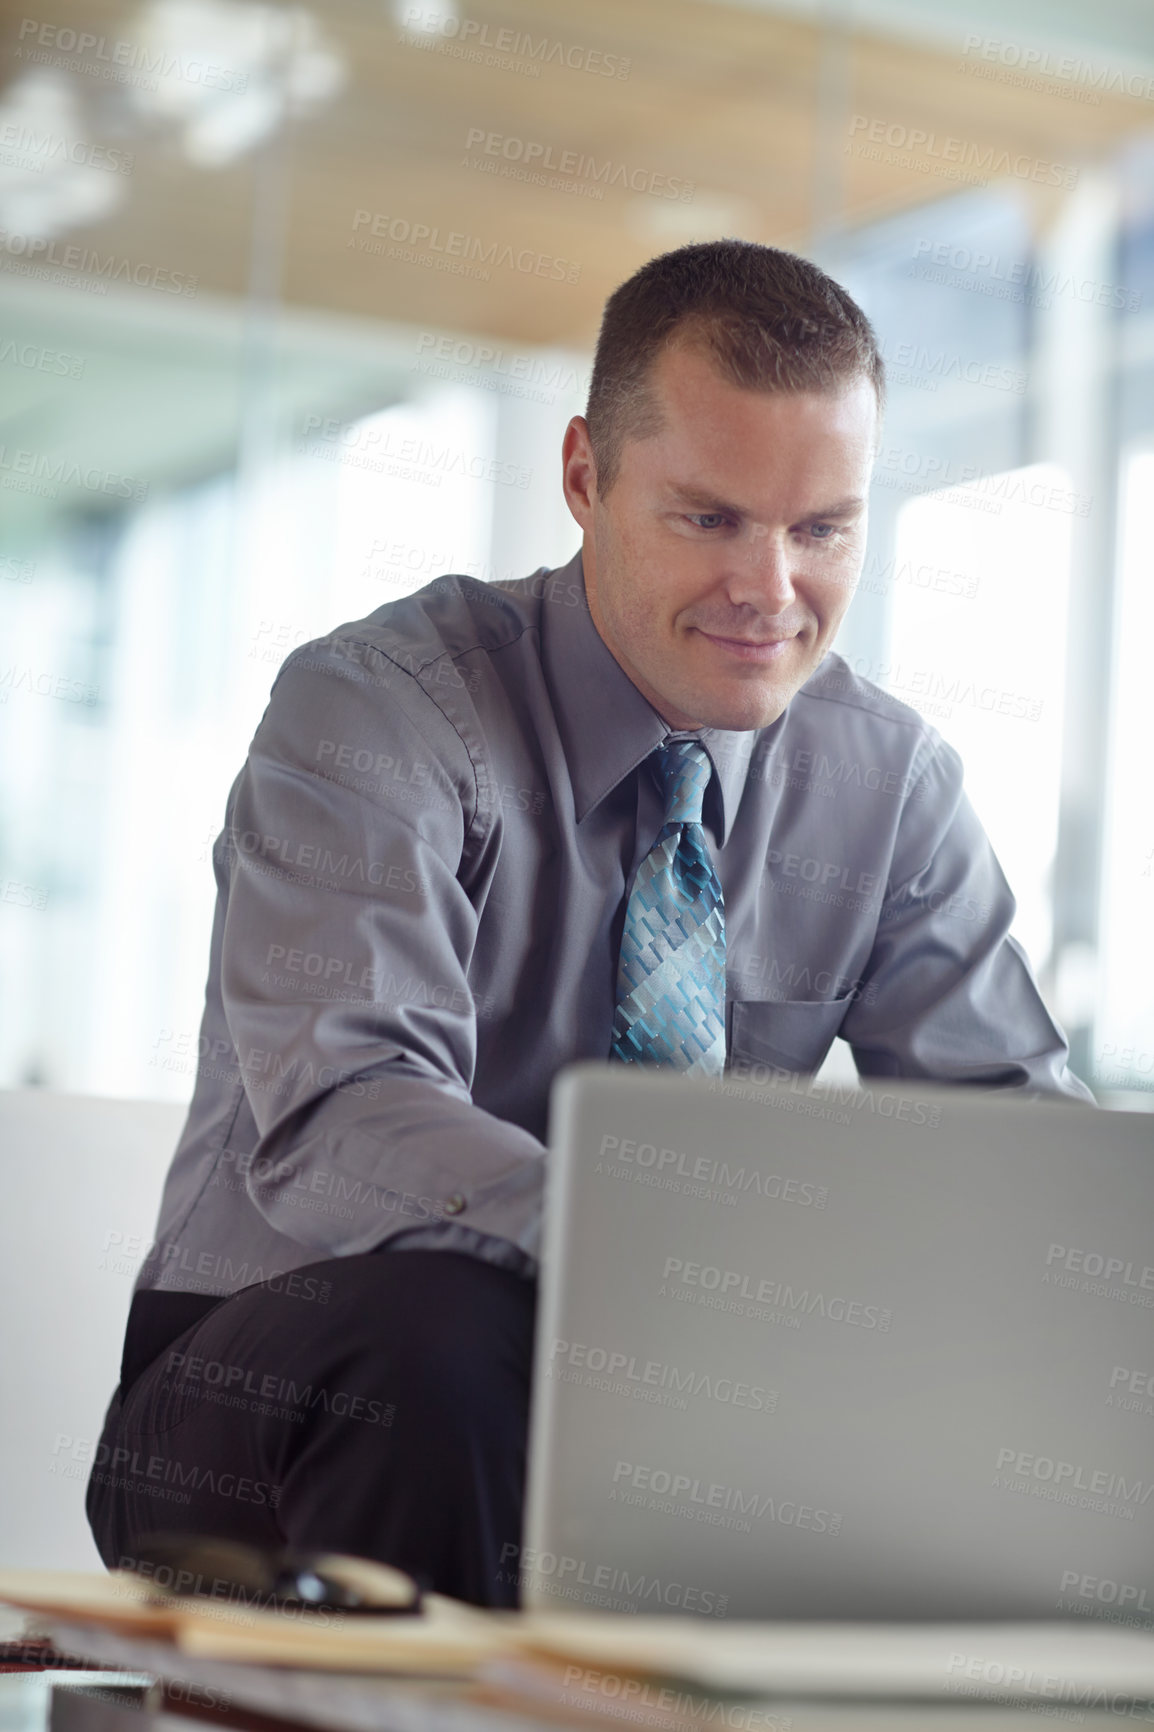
685,772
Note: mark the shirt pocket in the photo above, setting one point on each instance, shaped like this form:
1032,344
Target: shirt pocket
793,1034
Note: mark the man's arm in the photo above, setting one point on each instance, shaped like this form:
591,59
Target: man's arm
354,828
948,994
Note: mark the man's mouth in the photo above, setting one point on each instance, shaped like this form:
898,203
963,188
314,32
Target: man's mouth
765,649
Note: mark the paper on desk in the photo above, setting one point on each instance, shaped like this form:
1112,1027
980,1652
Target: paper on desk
1084,1664
119,1600
447,1639
1049,1661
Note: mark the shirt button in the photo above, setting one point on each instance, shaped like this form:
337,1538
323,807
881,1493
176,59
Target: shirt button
454,1204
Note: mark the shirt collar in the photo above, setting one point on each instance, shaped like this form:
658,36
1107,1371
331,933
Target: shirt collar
607,727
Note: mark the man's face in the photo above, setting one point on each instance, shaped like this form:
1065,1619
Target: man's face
720,565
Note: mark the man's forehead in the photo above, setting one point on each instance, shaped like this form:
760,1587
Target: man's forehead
682,401
691,354
701,444
821,464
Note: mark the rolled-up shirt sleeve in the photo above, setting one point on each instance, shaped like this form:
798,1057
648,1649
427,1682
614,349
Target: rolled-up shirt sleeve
358,852
948,994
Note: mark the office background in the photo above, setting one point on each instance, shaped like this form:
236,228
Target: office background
297,301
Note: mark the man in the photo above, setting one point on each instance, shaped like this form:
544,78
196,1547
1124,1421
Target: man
491,830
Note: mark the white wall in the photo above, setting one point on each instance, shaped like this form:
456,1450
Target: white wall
81,1182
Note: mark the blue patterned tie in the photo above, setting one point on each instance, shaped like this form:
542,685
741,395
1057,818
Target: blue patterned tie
671,974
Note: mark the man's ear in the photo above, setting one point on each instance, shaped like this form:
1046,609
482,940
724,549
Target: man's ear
579,471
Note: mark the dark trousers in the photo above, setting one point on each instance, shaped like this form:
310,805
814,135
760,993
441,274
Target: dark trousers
376,1405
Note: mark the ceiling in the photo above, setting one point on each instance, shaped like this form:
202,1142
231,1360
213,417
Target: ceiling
777,123
775,128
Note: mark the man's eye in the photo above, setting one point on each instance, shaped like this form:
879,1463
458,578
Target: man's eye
823,531
707,519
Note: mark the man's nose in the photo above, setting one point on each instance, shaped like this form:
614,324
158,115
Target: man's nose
761,572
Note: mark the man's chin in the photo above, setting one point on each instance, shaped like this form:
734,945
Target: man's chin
744,696
740,712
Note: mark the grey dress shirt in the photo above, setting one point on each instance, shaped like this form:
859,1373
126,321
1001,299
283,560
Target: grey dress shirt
422,883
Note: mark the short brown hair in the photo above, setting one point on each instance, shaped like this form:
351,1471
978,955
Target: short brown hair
769,320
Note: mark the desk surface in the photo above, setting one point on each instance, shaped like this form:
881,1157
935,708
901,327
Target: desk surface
381,1704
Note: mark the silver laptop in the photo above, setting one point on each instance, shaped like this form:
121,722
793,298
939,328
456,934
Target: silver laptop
809,1353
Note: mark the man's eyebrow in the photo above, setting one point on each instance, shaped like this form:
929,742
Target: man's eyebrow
704,501
844,508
